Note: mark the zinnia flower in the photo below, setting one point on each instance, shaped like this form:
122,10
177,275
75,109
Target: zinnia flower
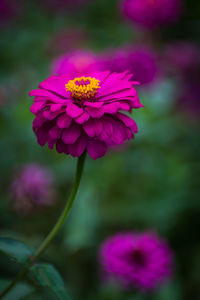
141,260
183,57
77,63
32,187
152,13
141,61
84,113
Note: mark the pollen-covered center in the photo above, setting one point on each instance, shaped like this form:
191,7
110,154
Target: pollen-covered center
83,88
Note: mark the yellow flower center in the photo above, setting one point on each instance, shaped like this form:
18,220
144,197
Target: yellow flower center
83,87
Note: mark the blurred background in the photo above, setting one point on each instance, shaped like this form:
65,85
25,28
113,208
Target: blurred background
151,184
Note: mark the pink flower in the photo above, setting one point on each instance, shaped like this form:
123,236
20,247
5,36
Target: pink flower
182,57
152,13
32,187
141,61
139,260
84,113
77,63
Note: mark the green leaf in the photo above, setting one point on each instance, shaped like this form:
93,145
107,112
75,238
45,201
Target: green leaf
18,292
47,276
15,249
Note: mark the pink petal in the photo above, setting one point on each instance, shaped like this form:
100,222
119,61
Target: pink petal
93,104
73,110
128,121
63,121
111,108
36,107
43,134
49,115
55,132
56,84
51,143
61,147
93,127
55,107
82,118
71,134
95,113
79,146
119,132
38,121
96,149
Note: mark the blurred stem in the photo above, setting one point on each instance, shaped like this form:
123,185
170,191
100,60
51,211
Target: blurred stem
55,229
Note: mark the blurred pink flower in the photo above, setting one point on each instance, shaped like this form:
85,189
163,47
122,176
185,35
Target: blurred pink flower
141,61
140,260
32,187
152,13
84,113
77,63
182,57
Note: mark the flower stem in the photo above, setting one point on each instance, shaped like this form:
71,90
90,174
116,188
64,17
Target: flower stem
55,229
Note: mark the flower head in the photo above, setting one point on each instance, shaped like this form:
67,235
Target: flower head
183,57
141,61
77,63
136,260
32,187
152,13
84,113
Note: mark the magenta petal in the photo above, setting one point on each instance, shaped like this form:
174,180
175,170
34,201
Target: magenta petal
63,121
51,143
61,147
78,147
128,122
73,110
94,113
82,118
55,107
38,121
96,149
43,134
49,115
93,104
71,134
119,132
36,107
55,132
93,127
111,108
56,84
44,94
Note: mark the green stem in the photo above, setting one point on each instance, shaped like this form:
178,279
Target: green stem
54,230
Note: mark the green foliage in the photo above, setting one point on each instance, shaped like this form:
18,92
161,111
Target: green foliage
20,291
15,249
47,276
